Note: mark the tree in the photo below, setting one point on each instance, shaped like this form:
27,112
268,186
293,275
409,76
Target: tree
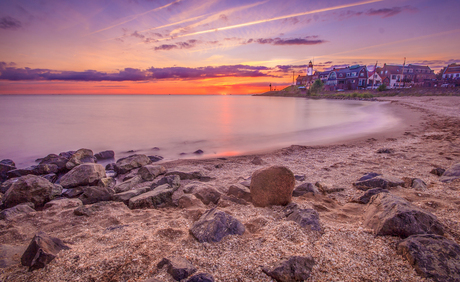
316,87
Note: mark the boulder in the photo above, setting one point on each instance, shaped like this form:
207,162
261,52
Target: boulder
300,177
128,184
295,268
385,151
258,161
199,152
25,208
127,164
179,267
41,251
387,214
155,158
60,161
94,194
7,184
306,218
29,188
107,182
84,174
190,175
159,197
305,188
418,184
171,180
240,192
5,166
207,194
272,186
373,180
364,199
72,192
451,173
22,171
7,162
51,177
214,225
432,256
201,277
105,155
81,156
150,172
63,204
125,196
437,171
188,201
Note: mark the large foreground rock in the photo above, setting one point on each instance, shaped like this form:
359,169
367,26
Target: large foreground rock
150,172
214,225
374,180
79,157
60,161
387,214
10,213
127,164
179,267
29,188
84,174
295,268
272,186
306,218
160,196
94,194
432,256
451,173
41,251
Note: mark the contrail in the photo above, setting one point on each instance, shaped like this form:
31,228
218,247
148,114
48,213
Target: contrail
279,18
135,17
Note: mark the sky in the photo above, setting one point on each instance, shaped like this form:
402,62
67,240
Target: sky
211,46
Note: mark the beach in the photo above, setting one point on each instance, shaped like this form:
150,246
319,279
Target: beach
116,243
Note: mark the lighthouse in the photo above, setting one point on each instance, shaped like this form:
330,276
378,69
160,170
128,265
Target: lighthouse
310,69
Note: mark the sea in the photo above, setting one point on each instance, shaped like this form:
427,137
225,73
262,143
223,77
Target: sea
176,126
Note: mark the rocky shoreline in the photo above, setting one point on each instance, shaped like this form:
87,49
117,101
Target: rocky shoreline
384,208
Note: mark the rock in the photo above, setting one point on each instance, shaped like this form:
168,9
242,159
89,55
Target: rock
296,268
84,174
67,154
127,164
7,184
179,267
105,155
51,177
246,183
110,166
5,166
63,204
111,173
72,192
300,177
9,255
107,182
150,172
125,196
437,171
387,214
241,192
198,152
56,191
432,256
305,188
385,151
41,251
22,171
59,161
214,225
258,161
7,162
128,184
373,180
418,184
25,208
364,199
94,194
451,173
155,158
207,194
272,186
306,218
81,156
184,175
188,201
201,277
159,197
171,180
29,188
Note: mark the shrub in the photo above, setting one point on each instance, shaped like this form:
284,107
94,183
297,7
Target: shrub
382,87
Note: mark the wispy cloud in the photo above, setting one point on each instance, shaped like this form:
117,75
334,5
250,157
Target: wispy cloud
389,12
130,74
9,23
309,40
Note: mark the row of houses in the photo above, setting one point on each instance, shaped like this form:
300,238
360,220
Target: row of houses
393,76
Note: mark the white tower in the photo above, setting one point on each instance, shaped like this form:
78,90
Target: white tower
310,69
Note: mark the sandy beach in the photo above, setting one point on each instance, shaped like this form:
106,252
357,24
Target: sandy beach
116,243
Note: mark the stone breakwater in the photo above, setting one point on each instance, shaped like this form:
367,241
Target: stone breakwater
374,210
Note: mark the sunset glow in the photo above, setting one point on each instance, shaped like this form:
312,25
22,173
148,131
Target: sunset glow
211,47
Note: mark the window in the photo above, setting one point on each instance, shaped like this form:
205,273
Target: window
353,74
361,74
393,76
348,74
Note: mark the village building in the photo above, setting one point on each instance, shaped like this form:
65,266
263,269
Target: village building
451,72
374,79
349,78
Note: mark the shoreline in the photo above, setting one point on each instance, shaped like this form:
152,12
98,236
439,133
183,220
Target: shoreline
117,243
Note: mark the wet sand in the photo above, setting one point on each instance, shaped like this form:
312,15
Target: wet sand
119,244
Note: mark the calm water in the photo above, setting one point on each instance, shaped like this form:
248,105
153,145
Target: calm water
33,126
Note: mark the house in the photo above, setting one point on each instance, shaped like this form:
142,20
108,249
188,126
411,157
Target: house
451,72
349,78
419,75
309,79
392,75
323,76
374,78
